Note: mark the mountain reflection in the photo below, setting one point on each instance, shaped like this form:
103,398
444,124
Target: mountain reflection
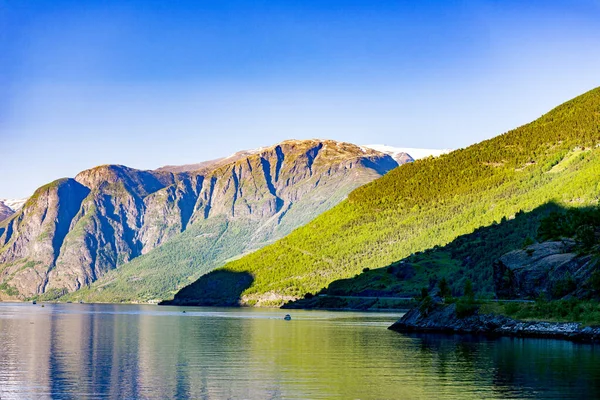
117,351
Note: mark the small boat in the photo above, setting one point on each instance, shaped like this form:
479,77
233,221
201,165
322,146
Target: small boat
34,302
287,317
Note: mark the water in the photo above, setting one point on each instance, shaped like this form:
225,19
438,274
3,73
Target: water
126,351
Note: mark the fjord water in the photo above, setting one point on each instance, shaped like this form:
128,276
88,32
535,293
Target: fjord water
129,351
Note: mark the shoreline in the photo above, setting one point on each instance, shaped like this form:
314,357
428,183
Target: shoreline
443,320
374,310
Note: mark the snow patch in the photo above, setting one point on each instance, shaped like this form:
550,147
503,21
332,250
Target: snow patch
415,153
14,204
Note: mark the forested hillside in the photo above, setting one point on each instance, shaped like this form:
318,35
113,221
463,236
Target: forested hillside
144,234
433,201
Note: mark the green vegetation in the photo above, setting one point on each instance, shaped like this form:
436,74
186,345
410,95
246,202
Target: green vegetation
210,243
586,312
9,290
506,181
581,224
178,262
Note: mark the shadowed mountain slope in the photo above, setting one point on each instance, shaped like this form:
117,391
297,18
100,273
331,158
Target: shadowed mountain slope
175,225
430,202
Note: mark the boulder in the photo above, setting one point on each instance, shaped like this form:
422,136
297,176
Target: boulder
554,269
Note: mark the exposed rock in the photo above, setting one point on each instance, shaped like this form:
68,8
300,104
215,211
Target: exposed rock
551,268
31,240
5,211
71,232
443,319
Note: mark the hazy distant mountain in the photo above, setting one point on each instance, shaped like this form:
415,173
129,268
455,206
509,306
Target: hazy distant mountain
5,211
14,204
399,153
143,234
9,206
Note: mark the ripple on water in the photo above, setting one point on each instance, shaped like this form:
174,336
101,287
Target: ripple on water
99,351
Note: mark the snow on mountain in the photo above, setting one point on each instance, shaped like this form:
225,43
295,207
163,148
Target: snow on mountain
413,152
14,204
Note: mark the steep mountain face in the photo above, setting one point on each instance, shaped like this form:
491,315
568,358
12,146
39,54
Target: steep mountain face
5,211
9,206
142,234
235,209
429,203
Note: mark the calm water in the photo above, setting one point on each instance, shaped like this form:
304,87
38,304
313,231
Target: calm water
99,351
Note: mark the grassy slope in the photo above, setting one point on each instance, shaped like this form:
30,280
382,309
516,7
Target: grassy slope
195,252
431,202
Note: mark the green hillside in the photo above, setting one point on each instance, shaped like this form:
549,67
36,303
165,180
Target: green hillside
244,205
431,202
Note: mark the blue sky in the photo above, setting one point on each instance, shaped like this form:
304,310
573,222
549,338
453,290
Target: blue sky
149,83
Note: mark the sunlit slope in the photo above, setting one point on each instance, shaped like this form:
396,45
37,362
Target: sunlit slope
432,201
258,197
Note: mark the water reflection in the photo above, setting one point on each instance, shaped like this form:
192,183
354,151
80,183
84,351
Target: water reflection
99,351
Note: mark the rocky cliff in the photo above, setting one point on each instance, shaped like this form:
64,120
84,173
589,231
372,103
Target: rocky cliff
74,232
554,269
5,211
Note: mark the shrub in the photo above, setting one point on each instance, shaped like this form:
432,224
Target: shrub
444,288
426,305
594,281
469,293
528,241
563,286
465,308
512,308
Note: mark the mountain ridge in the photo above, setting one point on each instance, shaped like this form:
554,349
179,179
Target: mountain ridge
74,231
430,202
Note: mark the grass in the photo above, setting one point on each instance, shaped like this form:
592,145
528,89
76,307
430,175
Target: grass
586,312
432,202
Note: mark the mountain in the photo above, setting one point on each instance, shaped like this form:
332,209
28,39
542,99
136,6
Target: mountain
401,153
211,164
429,203
397,154
142,234
14,204
5,211
9,206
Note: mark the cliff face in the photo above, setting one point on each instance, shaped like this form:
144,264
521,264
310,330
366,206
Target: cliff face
73,232
31,240
555,269
5,211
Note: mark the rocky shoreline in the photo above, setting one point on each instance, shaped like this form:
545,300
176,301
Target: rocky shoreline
444,319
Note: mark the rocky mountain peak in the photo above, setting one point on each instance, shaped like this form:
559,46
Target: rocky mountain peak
73,232
139,182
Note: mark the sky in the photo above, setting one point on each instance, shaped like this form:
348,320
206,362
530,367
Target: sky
148,83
